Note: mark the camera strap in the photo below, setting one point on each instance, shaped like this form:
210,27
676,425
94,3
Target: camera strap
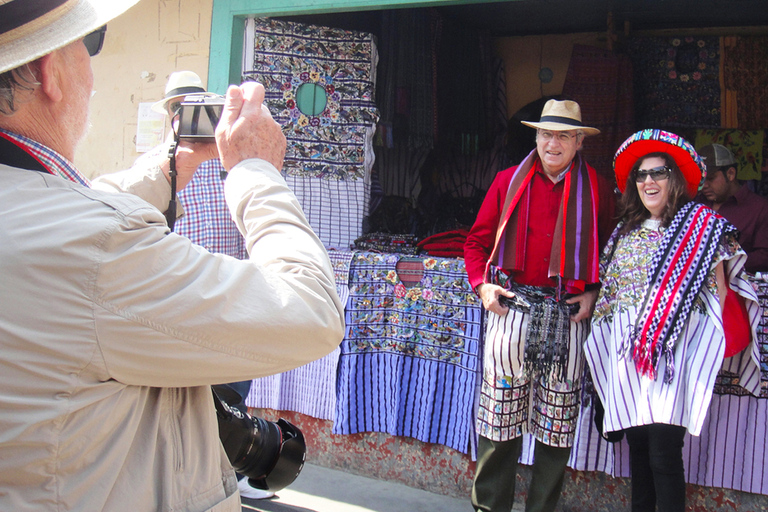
24,153
170,213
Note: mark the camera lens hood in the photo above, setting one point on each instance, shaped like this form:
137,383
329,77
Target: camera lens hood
289,461
271,454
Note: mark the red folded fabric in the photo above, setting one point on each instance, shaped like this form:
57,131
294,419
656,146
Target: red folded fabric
738,332
455,235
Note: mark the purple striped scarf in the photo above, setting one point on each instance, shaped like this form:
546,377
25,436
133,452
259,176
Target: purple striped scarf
575,248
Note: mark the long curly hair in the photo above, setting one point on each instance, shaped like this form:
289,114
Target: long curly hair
633,212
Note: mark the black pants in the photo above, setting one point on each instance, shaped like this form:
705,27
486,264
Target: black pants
658,473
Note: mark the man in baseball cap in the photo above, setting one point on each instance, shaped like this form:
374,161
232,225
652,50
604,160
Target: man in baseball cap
112,328
746,210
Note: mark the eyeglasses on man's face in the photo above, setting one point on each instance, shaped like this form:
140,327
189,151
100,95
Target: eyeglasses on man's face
173,108
95,40
657,174
562,137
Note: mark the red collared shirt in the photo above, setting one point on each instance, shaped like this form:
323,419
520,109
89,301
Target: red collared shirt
542,217
544,208
749,213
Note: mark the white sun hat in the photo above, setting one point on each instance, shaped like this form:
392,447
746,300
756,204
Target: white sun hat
179,85
31,29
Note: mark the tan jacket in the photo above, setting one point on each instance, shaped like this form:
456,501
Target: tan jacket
112,329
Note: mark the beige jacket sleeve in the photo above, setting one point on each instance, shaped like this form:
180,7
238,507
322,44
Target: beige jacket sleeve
168,313
144,179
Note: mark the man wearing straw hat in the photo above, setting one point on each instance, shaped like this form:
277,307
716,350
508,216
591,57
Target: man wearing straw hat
112,329
532,257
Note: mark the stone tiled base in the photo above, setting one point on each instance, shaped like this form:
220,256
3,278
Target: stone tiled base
442,470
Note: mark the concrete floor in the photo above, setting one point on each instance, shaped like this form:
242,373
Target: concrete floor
320,489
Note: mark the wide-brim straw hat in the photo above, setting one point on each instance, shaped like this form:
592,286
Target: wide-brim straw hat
33,29
180,84
561,116
646,142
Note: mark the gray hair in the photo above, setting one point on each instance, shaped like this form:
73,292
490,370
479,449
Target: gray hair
21,78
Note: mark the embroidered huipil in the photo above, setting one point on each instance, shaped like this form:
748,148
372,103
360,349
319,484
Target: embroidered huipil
629,399
408,363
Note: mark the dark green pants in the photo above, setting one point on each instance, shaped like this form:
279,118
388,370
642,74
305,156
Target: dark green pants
493,489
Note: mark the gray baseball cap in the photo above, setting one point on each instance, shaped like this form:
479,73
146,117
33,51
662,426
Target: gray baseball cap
716,156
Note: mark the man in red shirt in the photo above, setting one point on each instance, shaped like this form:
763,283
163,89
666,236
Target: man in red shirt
746,210
532,256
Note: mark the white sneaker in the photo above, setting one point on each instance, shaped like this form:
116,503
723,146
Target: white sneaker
247,491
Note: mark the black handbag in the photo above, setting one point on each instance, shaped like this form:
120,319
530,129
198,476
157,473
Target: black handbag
611,437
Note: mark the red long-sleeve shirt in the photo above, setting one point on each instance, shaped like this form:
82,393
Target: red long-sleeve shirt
546,197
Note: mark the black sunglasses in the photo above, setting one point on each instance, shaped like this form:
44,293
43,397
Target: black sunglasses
95,40
657,174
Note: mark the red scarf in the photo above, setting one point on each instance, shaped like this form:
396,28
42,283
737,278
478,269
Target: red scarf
575,248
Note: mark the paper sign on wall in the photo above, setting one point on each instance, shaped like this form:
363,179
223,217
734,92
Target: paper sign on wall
150,129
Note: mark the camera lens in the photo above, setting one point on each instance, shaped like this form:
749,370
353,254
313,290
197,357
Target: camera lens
270,454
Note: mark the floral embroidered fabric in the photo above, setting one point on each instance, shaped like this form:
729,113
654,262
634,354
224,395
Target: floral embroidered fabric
677,80
430,319
409,362
624,284
319,85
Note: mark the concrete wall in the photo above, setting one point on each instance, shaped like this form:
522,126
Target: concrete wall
142,48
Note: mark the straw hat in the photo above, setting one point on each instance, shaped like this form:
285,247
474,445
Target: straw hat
561,116
179,85
34,29
658,141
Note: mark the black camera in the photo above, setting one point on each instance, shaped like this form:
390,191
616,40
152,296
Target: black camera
270,454
198,116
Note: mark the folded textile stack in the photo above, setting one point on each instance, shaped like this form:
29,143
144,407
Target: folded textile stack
387,242
449,244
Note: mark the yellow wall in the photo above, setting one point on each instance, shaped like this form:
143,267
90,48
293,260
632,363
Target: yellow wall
524,56
142,48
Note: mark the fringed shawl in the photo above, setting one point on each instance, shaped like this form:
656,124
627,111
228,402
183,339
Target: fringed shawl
678,272
575,248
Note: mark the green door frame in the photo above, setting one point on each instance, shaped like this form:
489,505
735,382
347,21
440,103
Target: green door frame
228,25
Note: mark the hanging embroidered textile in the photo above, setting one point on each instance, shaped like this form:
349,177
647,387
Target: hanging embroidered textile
676,81
601,82
409,362
334,208
319,85
746,146
745,73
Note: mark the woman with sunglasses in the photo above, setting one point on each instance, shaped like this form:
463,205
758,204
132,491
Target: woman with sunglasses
657,339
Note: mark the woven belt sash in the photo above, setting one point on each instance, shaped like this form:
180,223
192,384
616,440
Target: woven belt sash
547,340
